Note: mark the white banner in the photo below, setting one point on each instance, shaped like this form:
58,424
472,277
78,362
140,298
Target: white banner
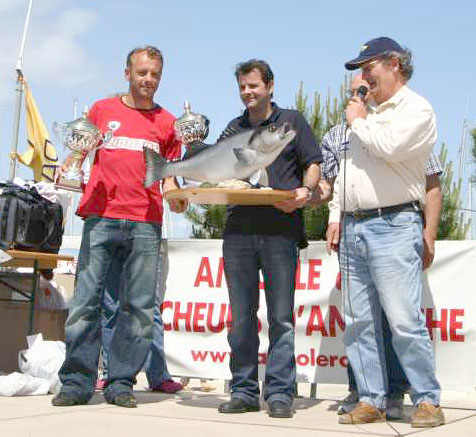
197,314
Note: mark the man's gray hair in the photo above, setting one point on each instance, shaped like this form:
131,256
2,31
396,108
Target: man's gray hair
404,60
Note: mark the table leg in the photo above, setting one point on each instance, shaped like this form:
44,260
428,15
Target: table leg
32,296
313,392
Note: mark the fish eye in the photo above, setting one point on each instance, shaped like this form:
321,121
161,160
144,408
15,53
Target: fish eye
272,128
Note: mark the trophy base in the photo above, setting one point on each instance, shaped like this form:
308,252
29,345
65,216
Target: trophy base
69,185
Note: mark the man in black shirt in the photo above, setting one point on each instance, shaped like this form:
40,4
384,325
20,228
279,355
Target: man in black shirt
267,238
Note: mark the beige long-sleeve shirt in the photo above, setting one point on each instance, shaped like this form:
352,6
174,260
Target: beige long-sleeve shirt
387,156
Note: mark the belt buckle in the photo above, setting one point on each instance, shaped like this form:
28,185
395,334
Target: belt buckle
358,215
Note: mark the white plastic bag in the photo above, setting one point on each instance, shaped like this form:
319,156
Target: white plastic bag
51,296
19,384
43,359
4,257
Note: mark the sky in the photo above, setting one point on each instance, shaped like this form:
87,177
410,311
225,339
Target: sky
75,51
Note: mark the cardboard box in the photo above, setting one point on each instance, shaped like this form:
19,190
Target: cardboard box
66,280
14,320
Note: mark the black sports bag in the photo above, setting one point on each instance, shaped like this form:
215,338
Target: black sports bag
28,221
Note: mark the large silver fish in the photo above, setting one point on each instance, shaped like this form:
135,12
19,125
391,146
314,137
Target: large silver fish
236,157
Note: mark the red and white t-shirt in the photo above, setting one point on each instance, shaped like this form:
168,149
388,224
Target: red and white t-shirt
116,186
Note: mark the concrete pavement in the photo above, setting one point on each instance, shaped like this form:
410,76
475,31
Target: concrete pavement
192,412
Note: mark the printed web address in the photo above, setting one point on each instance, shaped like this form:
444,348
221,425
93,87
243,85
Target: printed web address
310,359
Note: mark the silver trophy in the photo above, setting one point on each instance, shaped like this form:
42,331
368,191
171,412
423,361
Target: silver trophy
81,137
191,128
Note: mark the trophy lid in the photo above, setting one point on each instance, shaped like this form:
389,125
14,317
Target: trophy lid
188,115
82,124
186,108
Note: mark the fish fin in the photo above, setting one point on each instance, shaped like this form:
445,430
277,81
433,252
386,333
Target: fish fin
259,178
263,180
154,166
245,156
255,177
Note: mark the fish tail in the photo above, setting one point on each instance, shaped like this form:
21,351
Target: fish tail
155,167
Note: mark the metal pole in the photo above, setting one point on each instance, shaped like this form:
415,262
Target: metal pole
19,89
16,126
22,46
462,150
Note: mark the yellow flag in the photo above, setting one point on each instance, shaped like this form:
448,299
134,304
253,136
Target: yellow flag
41,155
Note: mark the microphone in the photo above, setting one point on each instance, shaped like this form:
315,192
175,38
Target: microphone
362,91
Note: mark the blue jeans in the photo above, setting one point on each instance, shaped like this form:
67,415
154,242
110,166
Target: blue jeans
155,364
397,381
134,246
381,261
276,256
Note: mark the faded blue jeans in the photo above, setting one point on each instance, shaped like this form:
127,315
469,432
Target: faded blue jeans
397,381
135,246
155,364
381,261
276,256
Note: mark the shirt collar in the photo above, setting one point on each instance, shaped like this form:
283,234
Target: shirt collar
394,100
276,111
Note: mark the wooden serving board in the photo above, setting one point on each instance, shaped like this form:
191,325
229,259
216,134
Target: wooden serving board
227,196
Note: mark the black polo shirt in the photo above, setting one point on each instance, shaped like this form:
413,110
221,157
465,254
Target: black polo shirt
285,173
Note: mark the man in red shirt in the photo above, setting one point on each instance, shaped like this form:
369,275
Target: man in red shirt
122,224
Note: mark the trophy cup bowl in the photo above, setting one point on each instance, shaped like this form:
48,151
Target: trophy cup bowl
81,137
191,128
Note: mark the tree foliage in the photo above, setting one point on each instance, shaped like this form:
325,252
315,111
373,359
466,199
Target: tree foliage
208,221
452,225
321,118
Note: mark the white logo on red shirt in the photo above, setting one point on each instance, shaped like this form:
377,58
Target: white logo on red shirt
131,144
113,125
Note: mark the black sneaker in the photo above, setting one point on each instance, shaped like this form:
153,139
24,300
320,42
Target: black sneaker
67,400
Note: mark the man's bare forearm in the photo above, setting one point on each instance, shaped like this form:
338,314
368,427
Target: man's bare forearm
311,176
433,205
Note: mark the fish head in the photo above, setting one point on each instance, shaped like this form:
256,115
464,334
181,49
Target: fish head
266,139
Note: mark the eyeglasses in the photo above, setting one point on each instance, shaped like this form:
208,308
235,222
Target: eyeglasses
367,68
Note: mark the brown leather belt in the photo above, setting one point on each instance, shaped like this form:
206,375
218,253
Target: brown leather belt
362,214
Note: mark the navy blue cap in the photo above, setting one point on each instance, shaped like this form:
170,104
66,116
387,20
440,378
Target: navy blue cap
372,49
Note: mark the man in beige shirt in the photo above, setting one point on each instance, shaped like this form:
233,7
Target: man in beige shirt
333,143
380,192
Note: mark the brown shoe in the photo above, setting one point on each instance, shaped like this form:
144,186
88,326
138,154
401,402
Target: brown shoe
427,415
363,413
